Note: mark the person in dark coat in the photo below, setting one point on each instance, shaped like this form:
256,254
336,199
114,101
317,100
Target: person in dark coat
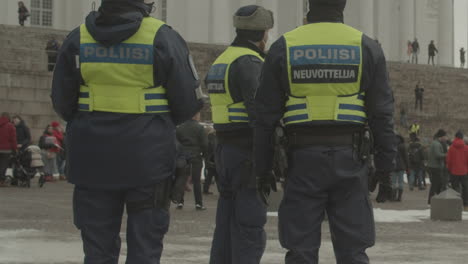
232,82
416,158
133,83
462,58
325,106
415,51
436,163
210,166
8,145
403,117
181,176
418,96
194,144
23,13
432,52
23,134
52,49
401,166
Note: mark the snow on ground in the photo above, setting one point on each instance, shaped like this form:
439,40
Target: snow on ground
396,216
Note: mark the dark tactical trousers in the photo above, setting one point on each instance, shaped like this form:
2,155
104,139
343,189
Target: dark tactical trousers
436,175
4,163
331,180
182,174
196,165
460,184
239,237
210,174
98,215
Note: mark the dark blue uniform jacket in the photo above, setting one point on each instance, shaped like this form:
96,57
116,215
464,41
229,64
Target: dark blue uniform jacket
273,93
119,151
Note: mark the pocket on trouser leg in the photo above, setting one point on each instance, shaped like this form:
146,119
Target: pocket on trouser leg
157,196
77,209
163,195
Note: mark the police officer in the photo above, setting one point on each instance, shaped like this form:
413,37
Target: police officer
327,81
232,81
123,81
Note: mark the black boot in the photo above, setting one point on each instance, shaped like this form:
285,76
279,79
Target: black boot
400,193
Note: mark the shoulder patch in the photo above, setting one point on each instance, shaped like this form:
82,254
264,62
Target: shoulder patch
193,68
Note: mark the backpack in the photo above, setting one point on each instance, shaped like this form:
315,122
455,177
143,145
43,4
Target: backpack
415,153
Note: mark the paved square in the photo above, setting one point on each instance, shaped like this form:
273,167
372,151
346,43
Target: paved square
36,226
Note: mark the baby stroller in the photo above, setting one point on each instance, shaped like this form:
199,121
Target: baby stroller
27,163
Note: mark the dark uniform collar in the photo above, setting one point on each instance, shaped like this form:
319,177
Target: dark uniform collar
238,42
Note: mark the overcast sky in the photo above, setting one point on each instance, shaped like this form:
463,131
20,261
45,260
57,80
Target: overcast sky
461,24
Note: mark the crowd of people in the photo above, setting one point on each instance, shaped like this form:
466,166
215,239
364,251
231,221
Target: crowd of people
444,160
414,49
15,138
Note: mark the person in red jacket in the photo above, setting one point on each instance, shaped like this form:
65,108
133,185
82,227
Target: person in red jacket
457,165
465,179
50,147
58,133
7,144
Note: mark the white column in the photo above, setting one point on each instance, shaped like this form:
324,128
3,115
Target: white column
406,20
366,17
177,15
59,18
446,27
4,11
352,14
384,25
198,21
274,33
287,16
221,18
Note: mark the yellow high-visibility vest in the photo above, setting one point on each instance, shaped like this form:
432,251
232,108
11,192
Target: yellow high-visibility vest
223,107
325,70
120,78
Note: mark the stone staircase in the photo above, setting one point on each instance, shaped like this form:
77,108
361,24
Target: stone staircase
25,83
445,97
24,80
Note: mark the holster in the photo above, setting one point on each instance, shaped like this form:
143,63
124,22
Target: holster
160,198
162,195
365,145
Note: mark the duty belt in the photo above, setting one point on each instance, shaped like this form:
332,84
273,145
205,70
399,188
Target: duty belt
296,140
241,140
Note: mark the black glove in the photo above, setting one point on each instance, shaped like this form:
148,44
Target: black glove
385,186
265,184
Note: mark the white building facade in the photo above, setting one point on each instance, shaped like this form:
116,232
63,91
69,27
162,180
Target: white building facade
391,22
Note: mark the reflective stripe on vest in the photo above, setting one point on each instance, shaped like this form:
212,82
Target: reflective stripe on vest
120,78
223,107
324,70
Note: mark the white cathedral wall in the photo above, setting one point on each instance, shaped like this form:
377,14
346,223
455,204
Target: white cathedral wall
210,21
